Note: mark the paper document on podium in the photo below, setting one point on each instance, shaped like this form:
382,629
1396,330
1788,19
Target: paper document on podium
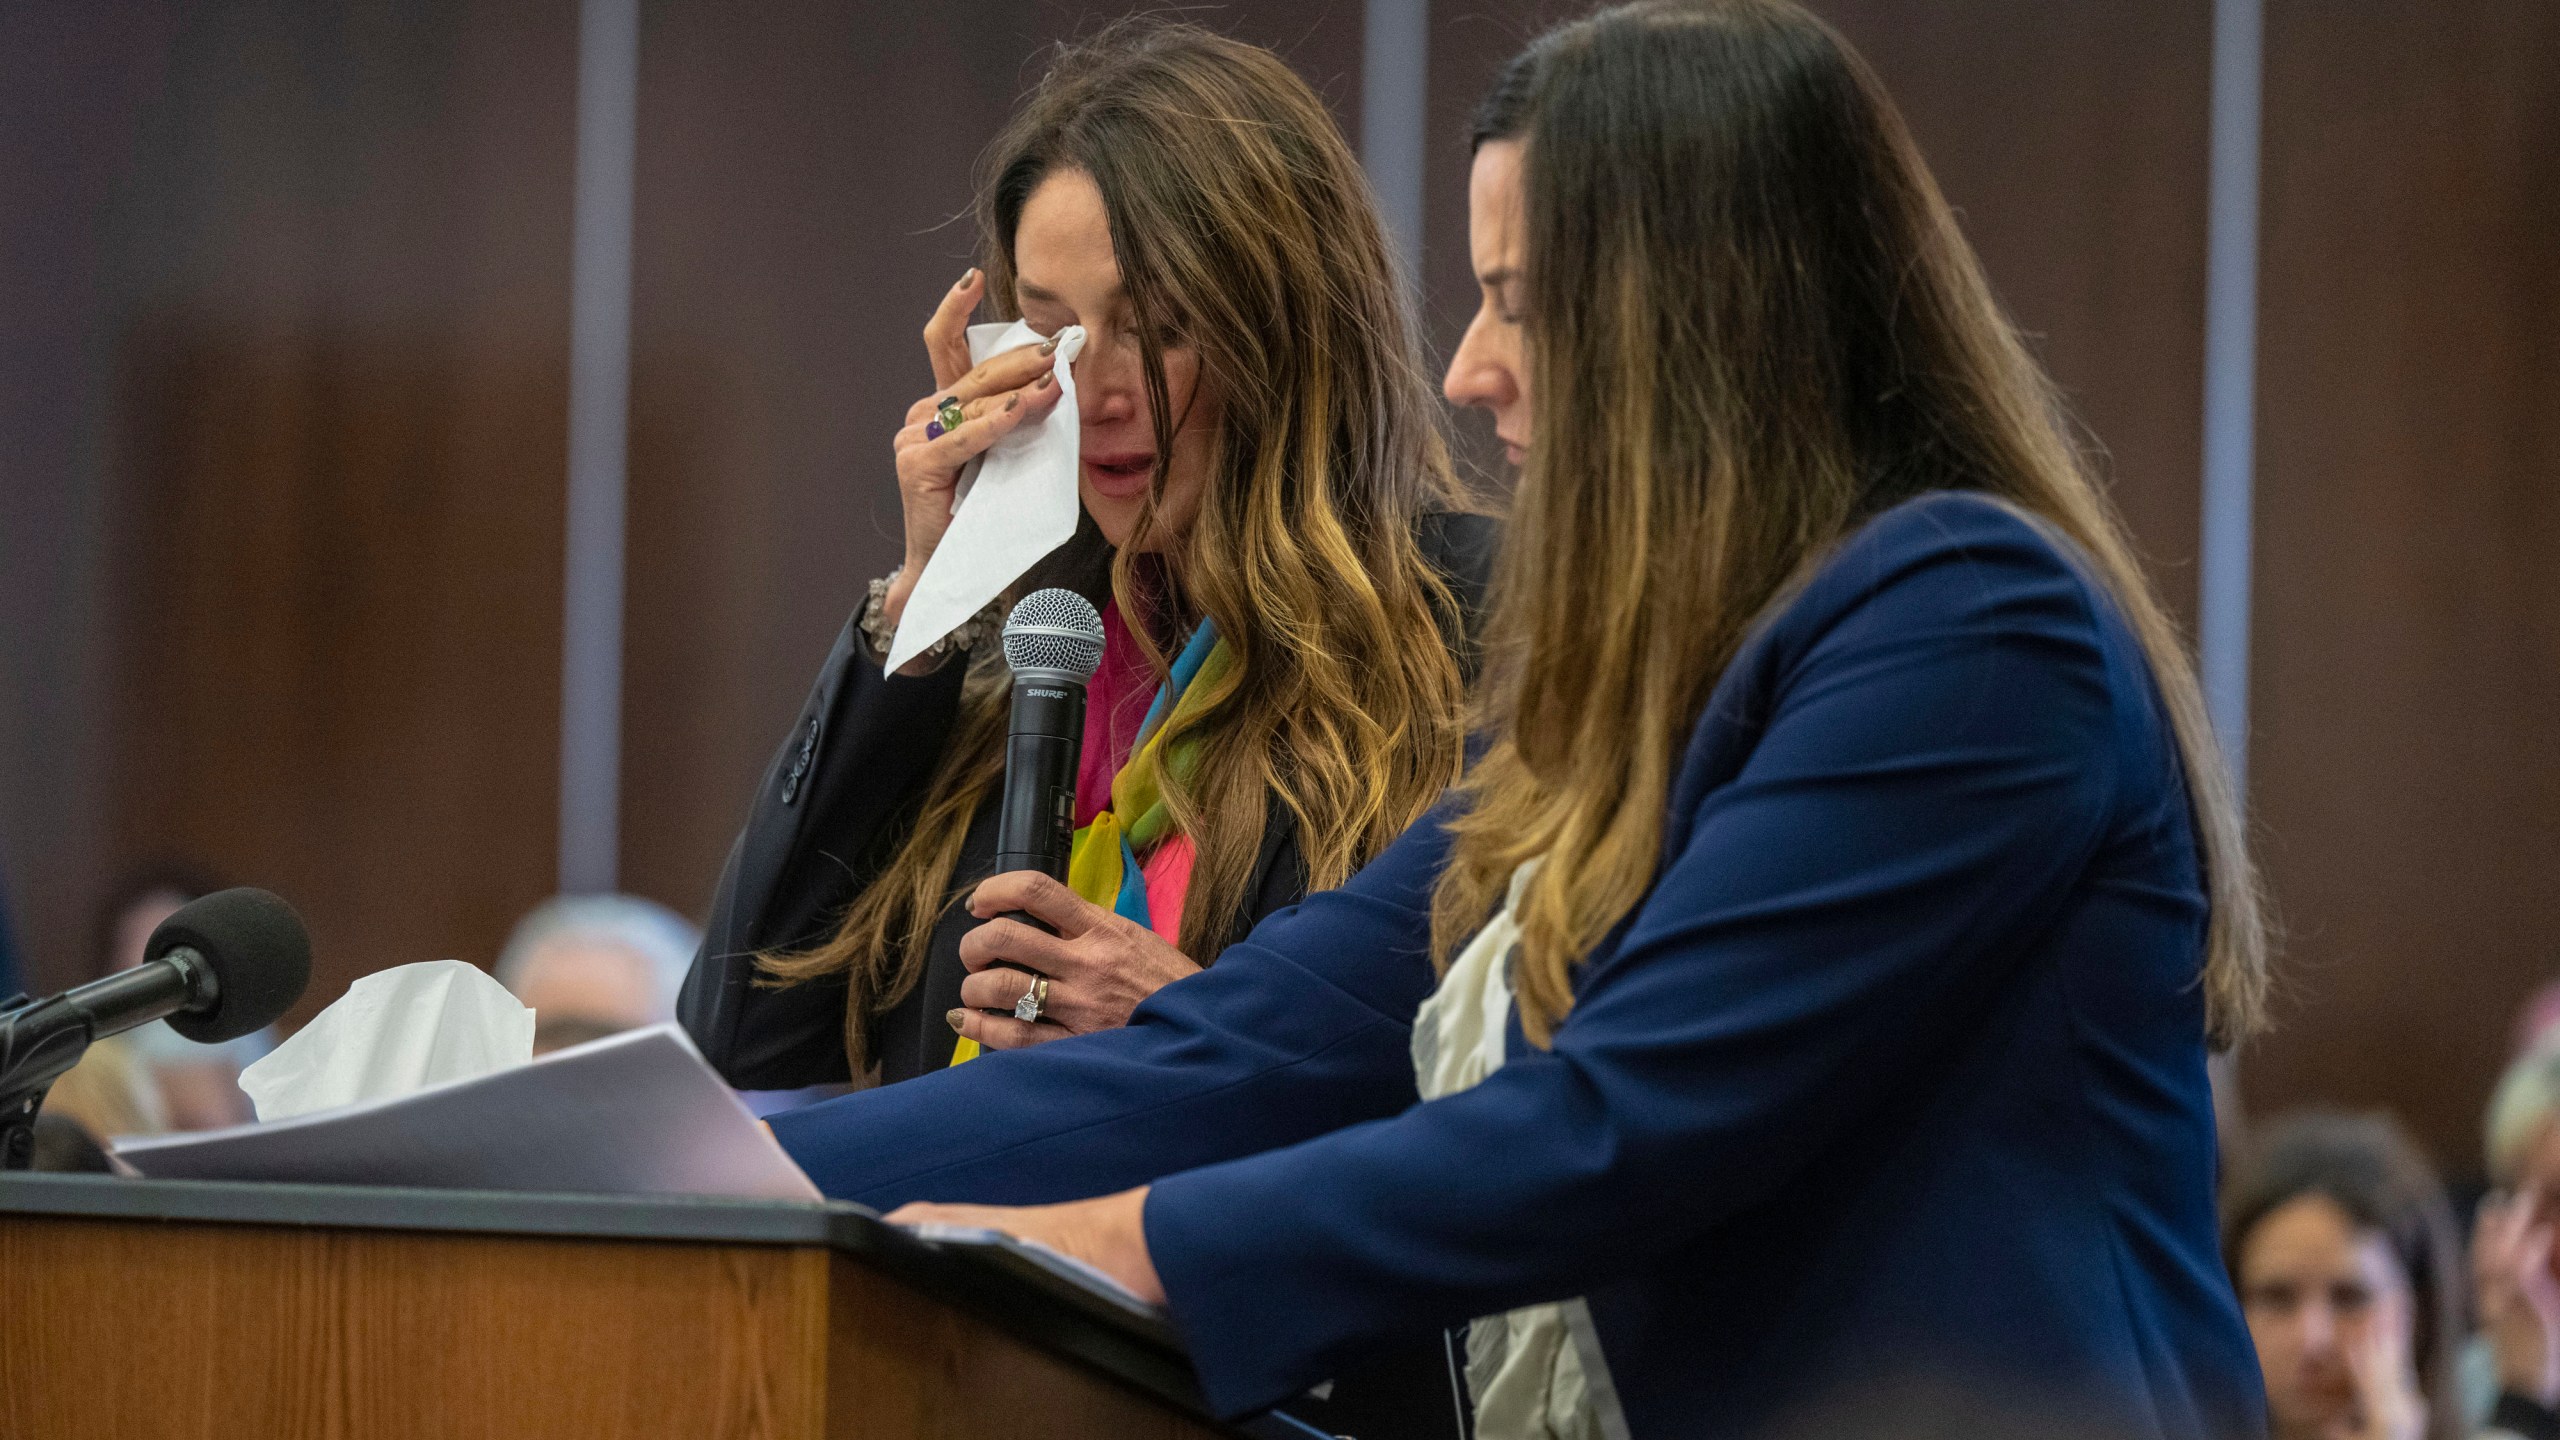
639,1113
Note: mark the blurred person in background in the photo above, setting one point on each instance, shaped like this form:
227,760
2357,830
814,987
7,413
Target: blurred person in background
198,1085
2511,1249
110,1092
2537,1020
595,965
2341,1243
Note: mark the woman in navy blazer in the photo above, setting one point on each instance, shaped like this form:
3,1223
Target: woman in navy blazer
1849,835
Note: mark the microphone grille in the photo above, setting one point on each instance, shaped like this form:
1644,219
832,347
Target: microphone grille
1054,630
259,952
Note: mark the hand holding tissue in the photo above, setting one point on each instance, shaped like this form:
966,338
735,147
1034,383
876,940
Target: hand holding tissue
1019,505
393,1032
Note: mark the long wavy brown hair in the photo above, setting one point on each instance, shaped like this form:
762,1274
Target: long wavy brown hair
1751,324
1243,227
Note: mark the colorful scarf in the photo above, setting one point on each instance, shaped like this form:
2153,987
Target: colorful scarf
1103,866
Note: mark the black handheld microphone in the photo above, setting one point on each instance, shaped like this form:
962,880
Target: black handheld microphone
222,967
1053,641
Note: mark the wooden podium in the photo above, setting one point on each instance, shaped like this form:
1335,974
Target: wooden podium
132,1309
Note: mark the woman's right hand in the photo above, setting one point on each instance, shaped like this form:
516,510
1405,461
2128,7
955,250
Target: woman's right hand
1013,389
2512,1268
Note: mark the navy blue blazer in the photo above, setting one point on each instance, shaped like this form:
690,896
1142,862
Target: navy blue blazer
1897,1072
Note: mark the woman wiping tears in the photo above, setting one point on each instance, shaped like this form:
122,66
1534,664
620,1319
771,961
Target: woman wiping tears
1286,569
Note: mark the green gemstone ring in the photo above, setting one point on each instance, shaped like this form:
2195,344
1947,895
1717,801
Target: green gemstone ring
948,415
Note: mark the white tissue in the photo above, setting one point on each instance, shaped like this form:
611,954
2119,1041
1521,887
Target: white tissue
1020,505
394,1031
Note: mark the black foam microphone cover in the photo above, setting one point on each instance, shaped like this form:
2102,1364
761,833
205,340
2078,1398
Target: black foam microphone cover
259,953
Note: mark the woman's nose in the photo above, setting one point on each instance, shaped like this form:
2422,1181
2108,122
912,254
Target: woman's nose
1108,379
1472,379
2319,1329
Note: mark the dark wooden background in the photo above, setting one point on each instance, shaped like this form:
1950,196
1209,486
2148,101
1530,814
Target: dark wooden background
283,367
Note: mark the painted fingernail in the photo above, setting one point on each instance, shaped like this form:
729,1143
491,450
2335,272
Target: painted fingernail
1046,381
954,1017
1016,400
1050,348
966,278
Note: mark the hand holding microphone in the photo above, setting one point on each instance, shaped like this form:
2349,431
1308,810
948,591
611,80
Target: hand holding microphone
1053,642
1099,966
1049,962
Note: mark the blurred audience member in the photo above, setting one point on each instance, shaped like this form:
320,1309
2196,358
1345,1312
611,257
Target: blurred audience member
109,1093
2511,1248
199,1085
2537,1021
596,965
136,906
2343,1248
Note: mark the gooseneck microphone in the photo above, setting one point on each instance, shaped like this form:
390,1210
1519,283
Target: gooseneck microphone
1053,641
221,967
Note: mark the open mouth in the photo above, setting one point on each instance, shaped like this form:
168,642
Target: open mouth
1119,476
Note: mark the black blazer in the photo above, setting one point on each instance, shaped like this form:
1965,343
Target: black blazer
827,818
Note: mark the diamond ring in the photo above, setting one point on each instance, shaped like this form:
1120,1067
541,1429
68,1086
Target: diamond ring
1033,1001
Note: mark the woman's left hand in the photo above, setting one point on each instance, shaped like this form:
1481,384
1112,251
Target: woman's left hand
1108,1234
1099,965
2388,1405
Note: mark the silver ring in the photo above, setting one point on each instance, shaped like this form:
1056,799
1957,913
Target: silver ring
1033,1001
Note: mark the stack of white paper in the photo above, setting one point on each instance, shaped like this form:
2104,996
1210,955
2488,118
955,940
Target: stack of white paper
632,1114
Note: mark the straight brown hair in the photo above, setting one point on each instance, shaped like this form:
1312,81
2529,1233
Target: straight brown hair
1751,324
1243,227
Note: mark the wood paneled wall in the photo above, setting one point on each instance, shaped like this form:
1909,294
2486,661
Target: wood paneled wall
2406,755
75,84
328,290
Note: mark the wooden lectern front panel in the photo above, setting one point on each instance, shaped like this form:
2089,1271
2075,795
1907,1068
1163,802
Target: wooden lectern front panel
131,1330
904,1367
230,1332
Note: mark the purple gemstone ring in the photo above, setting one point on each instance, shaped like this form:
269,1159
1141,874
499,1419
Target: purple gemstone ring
946,418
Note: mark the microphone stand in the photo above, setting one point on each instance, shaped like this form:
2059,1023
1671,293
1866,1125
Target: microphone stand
18,1129
32,1056
18,1112
42,1039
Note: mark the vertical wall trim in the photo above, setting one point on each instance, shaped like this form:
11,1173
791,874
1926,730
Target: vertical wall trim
2230,374
1395,74
599,413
